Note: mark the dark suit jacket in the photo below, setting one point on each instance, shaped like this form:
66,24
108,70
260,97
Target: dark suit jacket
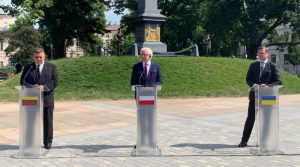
154,75
269,76
48,78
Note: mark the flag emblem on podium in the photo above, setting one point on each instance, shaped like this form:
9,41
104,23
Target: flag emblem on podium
30,101
268,100
146,100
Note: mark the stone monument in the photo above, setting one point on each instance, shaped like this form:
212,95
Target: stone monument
147,26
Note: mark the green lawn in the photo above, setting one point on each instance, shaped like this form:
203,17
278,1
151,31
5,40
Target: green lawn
102,78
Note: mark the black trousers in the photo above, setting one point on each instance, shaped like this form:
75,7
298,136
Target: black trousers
250,118
48,124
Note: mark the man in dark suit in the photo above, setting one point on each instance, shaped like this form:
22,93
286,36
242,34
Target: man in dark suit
260,73
43,75
146,73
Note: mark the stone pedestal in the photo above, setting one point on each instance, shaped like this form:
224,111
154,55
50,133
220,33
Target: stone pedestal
147,26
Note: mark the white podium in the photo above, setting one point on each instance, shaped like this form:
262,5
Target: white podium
146,144
267,120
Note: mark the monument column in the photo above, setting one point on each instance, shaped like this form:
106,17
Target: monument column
147,26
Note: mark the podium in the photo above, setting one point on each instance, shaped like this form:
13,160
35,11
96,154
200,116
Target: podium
31,110
267,120
146,144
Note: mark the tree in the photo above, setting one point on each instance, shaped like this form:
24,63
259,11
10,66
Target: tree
183,18
22,44
249,21
66,20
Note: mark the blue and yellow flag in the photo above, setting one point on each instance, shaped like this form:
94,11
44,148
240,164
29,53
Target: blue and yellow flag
268,100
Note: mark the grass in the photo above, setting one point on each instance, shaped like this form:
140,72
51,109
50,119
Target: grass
101,78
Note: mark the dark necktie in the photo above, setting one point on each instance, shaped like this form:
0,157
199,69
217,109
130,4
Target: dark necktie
38,72
261,68
145,70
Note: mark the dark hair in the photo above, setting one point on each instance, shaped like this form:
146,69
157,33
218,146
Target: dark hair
38,50
263,48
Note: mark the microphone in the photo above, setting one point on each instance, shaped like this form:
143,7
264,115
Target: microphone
23,83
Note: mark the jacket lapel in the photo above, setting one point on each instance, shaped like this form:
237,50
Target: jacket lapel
45,67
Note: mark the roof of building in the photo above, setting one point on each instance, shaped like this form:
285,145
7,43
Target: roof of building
112,27
5,16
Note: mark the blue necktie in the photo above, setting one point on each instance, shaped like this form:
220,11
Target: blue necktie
38,72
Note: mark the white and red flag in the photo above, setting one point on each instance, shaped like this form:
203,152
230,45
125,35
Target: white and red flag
146,100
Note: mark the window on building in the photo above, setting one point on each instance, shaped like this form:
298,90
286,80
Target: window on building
78,48
286,57
1,45
273,58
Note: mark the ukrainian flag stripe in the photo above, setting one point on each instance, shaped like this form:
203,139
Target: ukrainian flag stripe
268,98
268,102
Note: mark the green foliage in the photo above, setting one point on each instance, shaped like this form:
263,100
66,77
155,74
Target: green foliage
65,20
8,69
294,57
184,25
248,22
22,44
101,78
22,21
232,23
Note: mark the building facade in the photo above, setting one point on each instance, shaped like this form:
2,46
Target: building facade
5,22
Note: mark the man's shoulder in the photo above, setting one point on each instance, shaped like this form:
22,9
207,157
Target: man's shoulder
155,64
255,62
29,65
138,64
50,64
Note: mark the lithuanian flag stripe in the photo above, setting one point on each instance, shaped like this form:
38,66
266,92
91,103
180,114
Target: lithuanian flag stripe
30,98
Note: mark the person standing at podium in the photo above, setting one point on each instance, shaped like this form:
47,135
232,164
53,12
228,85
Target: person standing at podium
260,73
43,75
146,72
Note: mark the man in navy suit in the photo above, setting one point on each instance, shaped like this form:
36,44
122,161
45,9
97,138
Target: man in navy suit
146,72
43,75
260,73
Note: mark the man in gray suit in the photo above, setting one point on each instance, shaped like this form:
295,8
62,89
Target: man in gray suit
260,73
43,75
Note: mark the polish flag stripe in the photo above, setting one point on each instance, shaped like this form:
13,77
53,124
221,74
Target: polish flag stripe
147,98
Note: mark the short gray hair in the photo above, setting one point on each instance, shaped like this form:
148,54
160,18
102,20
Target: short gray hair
147,50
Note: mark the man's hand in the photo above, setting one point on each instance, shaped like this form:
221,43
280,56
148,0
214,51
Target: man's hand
263,85
41,87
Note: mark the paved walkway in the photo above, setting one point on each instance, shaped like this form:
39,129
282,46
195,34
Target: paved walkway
191,132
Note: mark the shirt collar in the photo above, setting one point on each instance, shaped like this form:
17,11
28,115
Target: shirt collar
148,63
264,61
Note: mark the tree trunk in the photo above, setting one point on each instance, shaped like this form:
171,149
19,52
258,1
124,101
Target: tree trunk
251,50
59,49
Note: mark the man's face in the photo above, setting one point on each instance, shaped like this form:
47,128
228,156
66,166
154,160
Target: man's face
39,58
145,56
262,54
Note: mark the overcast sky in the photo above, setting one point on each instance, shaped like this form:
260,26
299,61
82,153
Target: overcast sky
109,15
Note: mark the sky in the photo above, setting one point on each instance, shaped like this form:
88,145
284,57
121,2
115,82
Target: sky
110,16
